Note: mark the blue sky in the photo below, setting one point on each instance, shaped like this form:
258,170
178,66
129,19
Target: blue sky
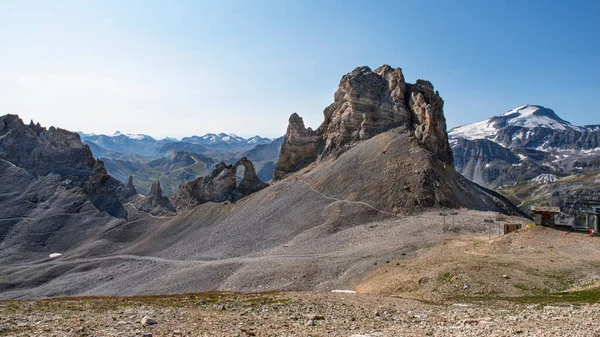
177,68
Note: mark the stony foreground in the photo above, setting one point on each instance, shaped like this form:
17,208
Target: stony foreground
293,314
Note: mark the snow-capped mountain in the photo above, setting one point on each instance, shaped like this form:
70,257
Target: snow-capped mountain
524,118
138,144
136,136
223,138
226,142
522,144
144,145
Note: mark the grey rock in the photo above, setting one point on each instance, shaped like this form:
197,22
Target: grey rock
147,320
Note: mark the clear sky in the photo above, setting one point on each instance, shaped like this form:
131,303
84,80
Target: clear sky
177,68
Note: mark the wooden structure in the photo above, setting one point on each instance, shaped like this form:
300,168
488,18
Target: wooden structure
545,216
511,227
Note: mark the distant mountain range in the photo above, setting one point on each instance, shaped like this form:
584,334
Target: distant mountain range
145,145
175,162
522,144
532,156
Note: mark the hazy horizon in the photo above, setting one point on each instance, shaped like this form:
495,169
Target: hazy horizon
196,67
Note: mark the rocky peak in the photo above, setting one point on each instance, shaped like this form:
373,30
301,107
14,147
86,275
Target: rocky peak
155,203
366,104
155,191
429,123
42,151
300,147
130,188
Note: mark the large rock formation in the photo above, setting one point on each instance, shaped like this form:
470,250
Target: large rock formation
311,230
220,185
366,104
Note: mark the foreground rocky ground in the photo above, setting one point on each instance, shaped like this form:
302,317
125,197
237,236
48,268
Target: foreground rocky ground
300,314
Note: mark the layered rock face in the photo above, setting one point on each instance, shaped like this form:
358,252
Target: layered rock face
366,104
220,185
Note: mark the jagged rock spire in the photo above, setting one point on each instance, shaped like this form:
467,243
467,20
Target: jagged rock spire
155,191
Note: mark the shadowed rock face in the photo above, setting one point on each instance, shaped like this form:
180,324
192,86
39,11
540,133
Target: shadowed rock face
43,151
366,104
219,185
53,151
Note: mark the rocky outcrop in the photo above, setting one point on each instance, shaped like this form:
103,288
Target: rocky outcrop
220,185
428,121
106,192
366,104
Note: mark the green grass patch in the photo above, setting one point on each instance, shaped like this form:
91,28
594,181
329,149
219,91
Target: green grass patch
445,277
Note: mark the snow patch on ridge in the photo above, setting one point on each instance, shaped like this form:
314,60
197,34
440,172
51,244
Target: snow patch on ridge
479,130
526,116
544,178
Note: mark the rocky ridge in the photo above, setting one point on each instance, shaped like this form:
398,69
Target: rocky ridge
54,151
366,104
